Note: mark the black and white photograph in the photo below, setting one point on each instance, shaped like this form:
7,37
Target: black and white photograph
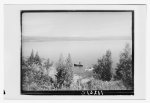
77,52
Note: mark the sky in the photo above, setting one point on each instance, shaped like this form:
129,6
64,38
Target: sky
77,24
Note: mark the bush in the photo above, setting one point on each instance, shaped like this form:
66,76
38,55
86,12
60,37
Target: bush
35,80
33,73
124,68
102,70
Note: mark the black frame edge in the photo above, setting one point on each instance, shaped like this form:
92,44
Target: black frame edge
105,92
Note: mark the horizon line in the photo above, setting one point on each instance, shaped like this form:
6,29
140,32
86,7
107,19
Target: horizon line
69,38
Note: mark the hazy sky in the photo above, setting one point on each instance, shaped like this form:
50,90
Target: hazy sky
77,24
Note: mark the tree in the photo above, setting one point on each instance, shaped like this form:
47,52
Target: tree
60,72
124,68
102,70
69,71
23,61
64,71
48,64
31,58
60,63
37,59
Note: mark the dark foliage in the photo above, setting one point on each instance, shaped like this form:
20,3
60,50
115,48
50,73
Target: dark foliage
124,68
48,64
64,72
69,71
34,59
31,58
37,59
102,70
61,77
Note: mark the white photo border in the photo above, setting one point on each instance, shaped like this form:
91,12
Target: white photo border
13,38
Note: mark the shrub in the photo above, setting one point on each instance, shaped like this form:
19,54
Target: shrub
35,80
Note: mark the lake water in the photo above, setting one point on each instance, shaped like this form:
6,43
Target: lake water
86,52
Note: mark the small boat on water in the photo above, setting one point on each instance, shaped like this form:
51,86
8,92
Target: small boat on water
78,65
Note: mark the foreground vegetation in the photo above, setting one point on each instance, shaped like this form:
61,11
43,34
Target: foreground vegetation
41,74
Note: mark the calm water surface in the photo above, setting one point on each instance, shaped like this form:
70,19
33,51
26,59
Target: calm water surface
86,52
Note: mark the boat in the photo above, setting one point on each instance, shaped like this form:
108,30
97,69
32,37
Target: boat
78,65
